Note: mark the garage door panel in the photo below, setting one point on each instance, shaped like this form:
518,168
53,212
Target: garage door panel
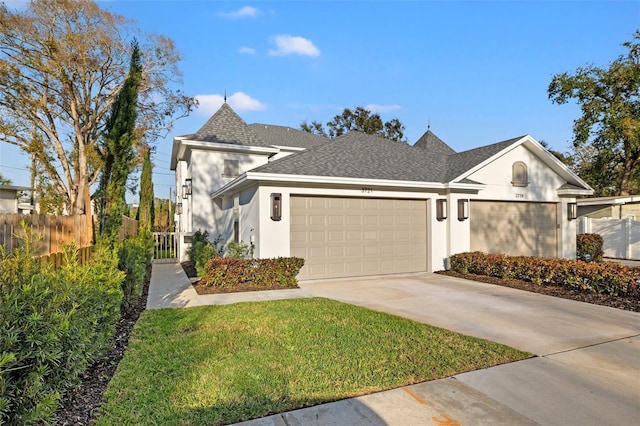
362,236
527,229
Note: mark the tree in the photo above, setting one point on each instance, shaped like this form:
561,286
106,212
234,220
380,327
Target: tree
4,180
62,64
609,128
116,148
360,119
146,213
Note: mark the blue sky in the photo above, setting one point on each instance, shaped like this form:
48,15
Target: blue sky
477,71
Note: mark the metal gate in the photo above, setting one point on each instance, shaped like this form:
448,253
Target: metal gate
165,247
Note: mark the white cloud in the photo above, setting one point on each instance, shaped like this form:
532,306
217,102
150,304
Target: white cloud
247,50
239,101
380,109
243,12
290,45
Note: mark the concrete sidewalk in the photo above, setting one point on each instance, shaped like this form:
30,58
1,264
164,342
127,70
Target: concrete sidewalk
587,371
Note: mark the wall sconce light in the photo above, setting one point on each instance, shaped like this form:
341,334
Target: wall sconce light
276,206
463,209
441,209
186,188
179,208
572,211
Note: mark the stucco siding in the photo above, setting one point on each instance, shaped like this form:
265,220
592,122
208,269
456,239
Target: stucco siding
497,176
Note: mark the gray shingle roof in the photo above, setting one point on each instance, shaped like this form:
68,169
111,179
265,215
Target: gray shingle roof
225,126
359,155
286,136
430,142
460,162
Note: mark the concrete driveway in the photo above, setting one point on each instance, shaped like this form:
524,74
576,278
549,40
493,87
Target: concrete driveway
587,371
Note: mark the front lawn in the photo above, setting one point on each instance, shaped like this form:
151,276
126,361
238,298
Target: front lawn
224,364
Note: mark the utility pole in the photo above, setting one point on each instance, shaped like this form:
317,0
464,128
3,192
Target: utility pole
169,215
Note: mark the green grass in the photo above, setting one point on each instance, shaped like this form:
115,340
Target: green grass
224,364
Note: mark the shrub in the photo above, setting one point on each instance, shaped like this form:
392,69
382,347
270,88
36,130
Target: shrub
135,256
596,277
231,271
591,244
54,323
202,249
240,250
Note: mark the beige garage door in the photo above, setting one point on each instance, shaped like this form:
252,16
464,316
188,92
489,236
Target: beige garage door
347,237
525,229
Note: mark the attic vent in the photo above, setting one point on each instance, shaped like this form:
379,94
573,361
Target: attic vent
231,168
519,174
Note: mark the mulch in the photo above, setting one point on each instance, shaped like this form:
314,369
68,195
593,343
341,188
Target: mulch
618,302
79,406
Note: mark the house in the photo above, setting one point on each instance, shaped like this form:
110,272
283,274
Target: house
622,207
361,205
10,199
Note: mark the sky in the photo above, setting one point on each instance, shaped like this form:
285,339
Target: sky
476,72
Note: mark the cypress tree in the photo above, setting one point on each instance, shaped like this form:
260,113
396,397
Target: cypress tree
118,153
145,209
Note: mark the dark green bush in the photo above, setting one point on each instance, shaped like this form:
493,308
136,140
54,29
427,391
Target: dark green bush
231,271
591,244
202,249
595,277
135,256
54,323
240,250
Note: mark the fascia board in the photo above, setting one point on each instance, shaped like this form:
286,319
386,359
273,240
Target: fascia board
234,184
181,144
546,157
465,186
607,201
342,180
574,192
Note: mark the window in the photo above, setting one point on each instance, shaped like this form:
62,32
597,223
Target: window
519,174
231,168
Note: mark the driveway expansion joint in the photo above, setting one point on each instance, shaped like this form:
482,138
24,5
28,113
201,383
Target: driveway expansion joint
593,345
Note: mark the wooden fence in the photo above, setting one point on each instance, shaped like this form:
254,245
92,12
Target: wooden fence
49,232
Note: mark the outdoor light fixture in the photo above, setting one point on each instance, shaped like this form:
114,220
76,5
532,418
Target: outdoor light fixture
463,209
572,211
179,208
186,188
441,209
276,206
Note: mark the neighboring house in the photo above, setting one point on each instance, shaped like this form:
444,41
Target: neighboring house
622,207
362,205
10,199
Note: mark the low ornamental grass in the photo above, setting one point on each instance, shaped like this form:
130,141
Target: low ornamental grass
216,365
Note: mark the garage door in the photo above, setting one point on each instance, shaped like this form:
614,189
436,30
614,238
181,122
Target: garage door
525,229
348,237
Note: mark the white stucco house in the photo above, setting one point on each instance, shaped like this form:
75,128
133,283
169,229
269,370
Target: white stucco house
362,205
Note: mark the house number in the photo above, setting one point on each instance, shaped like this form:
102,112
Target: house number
367,190
519,195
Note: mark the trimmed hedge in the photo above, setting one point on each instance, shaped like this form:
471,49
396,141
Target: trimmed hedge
135,257
54,323
231,271
605,277
591,244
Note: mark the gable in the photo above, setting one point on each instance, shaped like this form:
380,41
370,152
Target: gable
542,182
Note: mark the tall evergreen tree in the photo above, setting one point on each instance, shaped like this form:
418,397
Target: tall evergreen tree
145,210
118,147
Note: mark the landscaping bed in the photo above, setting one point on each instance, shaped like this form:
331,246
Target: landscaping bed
80,404
618,302
202,288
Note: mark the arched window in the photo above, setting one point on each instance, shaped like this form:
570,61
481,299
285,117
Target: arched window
519,176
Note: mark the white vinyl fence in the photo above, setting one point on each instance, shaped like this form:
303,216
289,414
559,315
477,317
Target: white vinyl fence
621,236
